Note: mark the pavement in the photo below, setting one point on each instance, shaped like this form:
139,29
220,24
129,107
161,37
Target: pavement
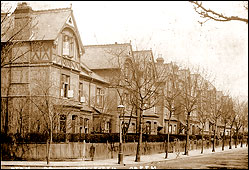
128,160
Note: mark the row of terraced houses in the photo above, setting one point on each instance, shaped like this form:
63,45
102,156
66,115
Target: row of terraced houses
55,68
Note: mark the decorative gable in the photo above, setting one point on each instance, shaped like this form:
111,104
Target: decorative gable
70,21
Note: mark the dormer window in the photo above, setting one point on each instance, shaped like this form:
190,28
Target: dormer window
68,46
65,50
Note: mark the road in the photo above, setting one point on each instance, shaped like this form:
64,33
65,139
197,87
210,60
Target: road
221,160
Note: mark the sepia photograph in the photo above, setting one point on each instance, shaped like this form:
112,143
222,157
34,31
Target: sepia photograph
124,85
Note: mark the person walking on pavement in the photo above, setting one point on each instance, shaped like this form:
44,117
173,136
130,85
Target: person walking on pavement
92,151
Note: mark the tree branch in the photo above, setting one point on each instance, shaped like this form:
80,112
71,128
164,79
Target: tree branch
210,14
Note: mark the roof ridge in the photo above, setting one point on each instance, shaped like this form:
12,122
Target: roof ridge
52,10
96,45
141,50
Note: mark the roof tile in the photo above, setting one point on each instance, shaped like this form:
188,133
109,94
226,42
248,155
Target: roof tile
45,24
105,56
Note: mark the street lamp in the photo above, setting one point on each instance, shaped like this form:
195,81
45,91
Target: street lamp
120,154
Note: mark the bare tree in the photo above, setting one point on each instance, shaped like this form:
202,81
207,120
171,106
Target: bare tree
215,106
232,119
103,106
49,108
137,77
171,95
144,89
13,33
191,87
209,14
203,111
226,105
239,120
244,118
45,105
14,44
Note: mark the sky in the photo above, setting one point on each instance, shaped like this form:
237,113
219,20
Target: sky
172,30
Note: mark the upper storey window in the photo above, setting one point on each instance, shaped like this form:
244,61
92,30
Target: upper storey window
100,97
68,46
65,85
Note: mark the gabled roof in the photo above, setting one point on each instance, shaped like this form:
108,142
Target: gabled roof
90,74
108,56
48,23
45,24
164,69
144,54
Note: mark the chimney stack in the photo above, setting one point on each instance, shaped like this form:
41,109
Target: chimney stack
160,59
22,21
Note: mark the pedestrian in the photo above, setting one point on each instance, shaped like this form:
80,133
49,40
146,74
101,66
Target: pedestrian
92,151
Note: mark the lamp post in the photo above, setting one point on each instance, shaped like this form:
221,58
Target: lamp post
120,154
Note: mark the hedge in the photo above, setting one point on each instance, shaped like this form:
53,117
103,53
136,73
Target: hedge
96,138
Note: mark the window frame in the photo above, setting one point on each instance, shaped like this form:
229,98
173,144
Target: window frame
67,46
65,85
80,90
99,97
63,123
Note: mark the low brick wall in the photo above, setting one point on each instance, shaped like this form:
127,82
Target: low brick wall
74,150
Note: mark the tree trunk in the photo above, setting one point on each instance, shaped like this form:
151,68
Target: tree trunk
230,140
6,125
167,146
138,154
242,138
224,138
213,150
50,142
202,138
237,138
47,148
187,135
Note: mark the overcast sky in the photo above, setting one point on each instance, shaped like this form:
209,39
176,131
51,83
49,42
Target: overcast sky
170,29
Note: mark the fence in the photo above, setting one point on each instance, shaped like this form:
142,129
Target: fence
75,150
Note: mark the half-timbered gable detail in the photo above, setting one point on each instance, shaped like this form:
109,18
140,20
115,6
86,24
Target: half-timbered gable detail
41,51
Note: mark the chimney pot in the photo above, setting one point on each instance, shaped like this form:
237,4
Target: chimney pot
23,8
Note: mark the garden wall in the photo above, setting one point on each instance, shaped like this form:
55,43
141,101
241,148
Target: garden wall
75,150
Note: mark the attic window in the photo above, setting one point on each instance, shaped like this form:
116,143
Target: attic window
65,45
68,46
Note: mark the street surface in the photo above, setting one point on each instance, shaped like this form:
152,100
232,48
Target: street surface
222,160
